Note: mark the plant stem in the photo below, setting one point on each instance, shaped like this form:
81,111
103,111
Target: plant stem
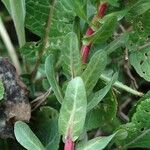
11,50
121,86
69,145
45,40
85,50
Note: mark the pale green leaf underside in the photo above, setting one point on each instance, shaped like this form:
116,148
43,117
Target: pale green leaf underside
50,73
71,61
1,90
73,110
26,137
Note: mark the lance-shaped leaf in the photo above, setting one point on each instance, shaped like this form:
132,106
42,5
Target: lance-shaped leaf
98,143
140,7
73,110
17,11
50,73
94,69
1,90
101,94
104,32
26,137
71,55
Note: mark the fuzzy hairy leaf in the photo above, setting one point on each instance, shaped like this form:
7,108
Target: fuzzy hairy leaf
73,110
94,69
71,56
26,137
50,73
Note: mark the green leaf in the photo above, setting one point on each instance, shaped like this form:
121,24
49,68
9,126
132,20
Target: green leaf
103,114
140,7
17,11
98,143
98,96
47,127
26,137
61,21
103,33
119,15
140,60
139,127
73,110
30,50
77,6
71,55
113,2
50,73
94,69
2,90
118,42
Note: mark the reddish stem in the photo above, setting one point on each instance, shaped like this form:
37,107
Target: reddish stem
85,50
102,10
69,145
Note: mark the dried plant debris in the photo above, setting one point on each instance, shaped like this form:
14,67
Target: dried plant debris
15,105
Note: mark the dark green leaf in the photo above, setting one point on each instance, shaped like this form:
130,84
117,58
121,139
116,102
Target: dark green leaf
103,114
140,60
139,127
98,96
61,22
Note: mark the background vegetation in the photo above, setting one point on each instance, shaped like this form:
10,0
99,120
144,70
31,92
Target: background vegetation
86,67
